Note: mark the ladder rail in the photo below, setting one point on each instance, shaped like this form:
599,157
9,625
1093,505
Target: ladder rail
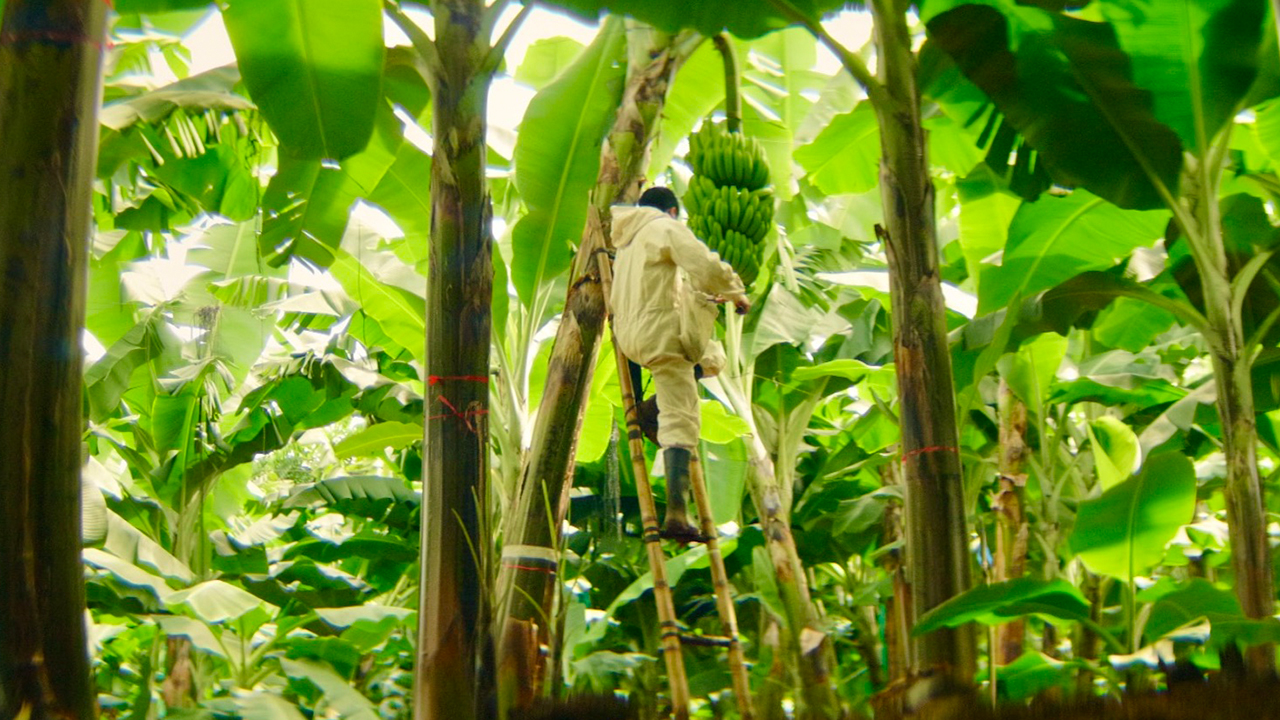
720,580
670,628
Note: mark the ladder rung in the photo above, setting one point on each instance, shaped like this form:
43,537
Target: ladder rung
706,641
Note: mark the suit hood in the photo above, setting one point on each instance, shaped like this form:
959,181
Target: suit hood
629,220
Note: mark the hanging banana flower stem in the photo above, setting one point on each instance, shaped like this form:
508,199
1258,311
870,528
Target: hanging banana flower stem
732,83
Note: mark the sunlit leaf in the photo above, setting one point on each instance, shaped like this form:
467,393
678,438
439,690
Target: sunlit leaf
266,706
1198,59
200,634
126,572
314,69
1197,599
718,426
343,699
215,601
399,313
1115,450
545,59
1124,532
1054,239
998,602
845,157
558,155
375,439
696,90
213,89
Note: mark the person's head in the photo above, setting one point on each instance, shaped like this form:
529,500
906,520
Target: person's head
661,198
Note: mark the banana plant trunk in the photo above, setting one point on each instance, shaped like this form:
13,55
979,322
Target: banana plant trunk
937,539
1233,370
806,648
530,558
50,69
1012,531
804,642
455,605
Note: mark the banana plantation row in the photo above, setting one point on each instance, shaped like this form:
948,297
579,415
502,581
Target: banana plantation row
311,399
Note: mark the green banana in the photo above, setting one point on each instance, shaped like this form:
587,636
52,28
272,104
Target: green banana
730,207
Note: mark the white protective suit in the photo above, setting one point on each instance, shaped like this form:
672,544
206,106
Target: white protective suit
665,286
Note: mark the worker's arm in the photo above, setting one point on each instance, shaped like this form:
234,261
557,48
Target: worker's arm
705,269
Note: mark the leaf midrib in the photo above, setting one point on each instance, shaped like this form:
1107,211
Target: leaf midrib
554,211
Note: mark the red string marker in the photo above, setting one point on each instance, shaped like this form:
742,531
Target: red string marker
930,449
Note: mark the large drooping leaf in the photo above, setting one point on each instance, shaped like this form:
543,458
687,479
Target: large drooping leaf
385,499
1124,532
1115,450
215,601
107,379
1031,370
778,84
719,426
342,698
1131,324
1198,59
845,157
1065,85
676,568
213,89
374,440
308,202
1074,301
1196,599
381,548
557,158
546,59
199,633
126,572
697,89
1121,378
998,602
400,313
726,471
405,193
1054,239
1032,673
267,706
742,18
313,67
129,543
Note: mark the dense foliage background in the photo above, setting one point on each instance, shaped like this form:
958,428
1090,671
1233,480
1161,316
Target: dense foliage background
255,389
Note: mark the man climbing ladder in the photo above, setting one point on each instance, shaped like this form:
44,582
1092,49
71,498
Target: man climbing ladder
664,307
666,285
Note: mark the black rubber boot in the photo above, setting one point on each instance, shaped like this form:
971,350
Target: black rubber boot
677,526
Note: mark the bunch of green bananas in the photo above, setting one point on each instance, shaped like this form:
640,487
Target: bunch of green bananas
729,206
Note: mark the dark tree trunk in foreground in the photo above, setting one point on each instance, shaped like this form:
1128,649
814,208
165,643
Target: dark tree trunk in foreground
453,619
50,65
529,557
937,539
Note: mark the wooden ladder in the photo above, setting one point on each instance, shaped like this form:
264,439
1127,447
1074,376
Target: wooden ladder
672,638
